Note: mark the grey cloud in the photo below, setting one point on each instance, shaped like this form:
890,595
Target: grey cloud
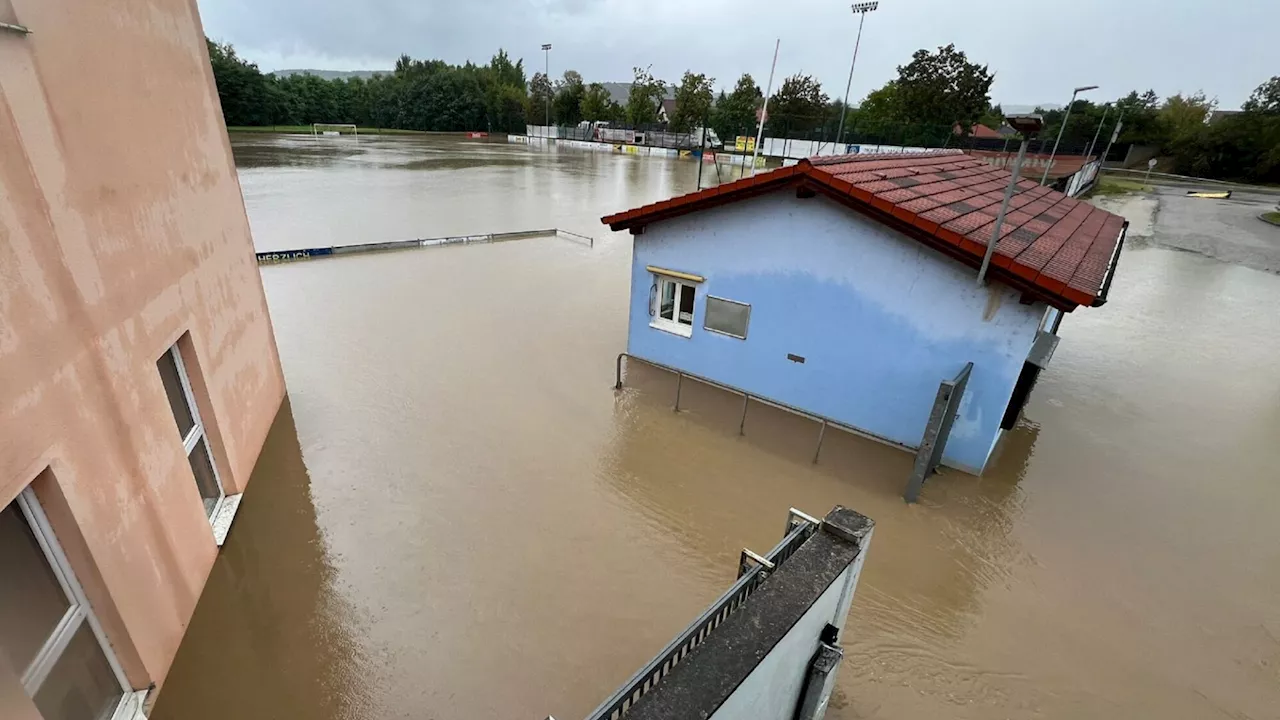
1039,52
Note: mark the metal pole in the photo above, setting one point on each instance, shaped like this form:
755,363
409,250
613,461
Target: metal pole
702,156
764,111
1098,132
546,49
679,383
844,110
1004,207
1114,134
821,433
742,424
1045,178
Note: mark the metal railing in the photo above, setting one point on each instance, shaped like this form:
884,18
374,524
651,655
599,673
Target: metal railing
800,527
277,256
747,397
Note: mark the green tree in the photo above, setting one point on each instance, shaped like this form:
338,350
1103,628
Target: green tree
799,105
567,106
943,88
540,95
880,109
645,97
1266,99
693,102
242,89
735,113
595,103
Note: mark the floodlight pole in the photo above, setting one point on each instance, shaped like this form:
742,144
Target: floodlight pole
861,10
546,49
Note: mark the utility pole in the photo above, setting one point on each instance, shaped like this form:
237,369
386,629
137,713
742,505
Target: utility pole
546,49
1048,166
861,10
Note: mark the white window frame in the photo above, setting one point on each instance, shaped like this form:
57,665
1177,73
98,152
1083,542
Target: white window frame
673,325
77,614
197,432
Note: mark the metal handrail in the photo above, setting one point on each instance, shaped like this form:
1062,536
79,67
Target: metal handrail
276,256
748,396
801,528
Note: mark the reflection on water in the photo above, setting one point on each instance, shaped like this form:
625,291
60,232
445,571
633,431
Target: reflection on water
497,533
270,638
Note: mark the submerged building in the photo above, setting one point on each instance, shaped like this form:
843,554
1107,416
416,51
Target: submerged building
846,287
138,371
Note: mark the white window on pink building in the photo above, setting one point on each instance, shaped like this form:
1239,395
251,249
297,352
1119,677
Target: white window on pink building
48,632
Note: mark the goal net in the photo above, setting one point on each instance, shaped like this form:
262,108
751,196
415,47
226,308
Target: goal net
318,129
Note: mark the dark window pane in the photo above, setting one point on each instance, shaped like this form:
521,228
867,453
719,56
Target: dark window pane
727,317
667,307
202,468
31,600
81,685
177,398
686,304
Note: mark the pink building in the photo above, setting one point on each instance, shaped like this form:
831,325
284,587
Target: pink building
138,372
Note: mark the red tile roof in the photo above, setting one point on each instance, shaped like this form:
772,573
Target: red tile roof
1054,247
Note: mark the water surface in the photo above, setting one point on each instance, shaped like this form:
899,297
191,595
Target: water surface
456,516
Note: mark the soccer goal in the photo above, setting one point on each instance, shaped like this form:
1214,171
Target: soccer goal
318,129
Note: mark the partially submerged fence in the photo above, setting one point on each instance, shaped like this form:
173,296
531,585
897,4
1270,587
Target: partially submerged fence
279,256
928,453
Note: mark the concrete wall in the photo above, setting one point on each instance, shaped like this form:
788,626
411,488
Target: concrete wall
122,230
772,690
879,318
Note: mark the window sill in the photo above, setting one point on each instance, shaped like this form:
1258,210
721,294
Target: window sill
673,328
222,518
131,706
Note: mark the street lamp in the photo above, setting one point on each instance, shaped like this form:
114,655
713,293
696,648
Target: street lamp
1028,126
1045,178
860,9
546,48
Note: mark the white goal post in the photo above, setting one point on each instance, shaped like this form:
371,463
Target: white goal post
318,129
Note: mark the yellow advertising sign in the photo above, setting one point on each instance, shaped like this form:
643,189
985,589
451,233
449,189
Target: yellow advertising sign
740,143
751,144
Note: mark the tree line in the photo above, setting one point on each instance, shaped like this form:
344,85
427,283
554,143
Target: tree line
416,95
935,100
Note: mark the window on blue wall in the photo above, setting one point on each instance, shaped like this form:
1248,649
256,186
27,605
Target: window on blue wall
673,309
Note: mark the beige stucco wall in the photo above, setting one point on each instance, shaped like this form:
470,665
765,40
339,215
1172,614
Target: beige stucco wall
121,228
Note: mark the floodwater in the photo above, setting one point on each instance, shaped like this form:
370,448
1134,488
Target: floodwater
456,516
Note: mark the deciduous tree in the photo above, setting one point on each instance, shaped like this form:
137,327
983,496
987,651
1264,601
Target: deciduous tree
943,88
693,102
645,97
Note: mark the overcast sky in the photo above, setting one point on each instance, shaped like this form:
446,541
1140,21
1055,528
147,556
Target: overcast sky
1038,50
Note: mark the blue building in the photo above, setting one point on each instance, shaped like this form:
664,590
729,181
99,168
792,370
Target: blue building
847,287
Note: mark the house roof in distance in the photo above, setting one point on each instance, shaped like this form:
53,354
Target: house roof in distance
1051,246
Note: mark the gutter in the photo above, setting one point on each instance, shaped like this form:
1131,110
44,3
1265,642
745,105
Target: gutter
1111,269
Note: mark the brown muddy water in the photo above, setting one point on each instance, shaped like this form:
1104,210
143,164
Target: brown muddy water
455,516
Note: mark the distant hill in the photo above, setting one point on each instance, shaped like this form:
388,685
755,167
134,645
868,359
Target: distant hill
331,74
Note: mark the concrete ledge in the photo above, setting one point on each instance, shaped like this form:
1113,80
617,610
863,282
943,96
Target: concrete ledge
700,684
226,514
